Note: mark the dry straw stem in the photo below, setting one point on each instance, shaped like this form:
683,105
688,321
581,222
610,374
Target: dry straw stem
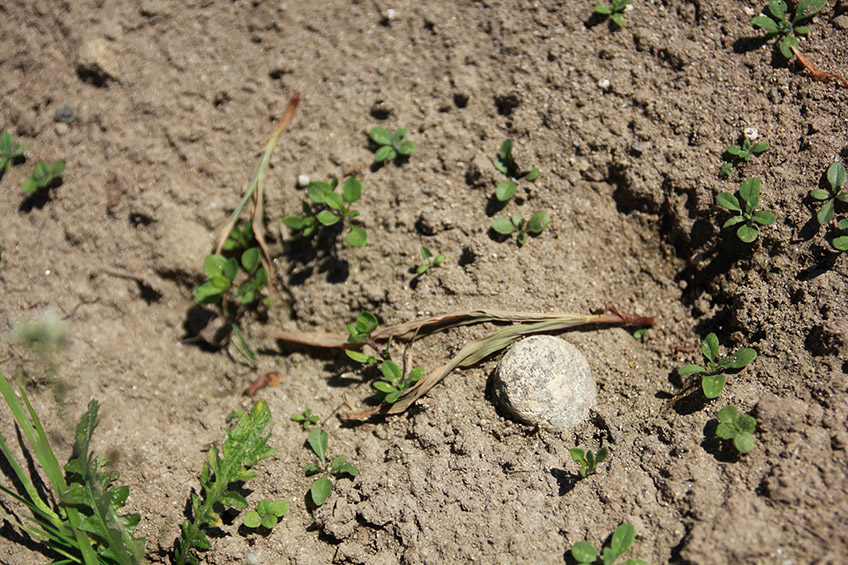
256,189
816,73
526,323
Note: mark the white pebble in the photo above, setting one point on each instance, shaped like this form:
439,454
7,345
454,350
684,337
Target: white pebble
751,133
303,181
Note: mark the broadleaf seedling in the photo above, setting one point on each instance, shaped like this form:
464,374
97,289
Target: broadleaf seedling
329,208
394,383
749,216
585,553
391,145
841,242
267,514
44,176
306,418
430,261
505,163
712,376
615,11
741,154
588,460
515,223
737,427
838,192
321,488
778,24
10,152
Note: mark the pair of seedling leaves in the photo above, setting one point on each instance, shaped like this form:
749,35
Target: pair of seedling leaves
741,154
505,163
747,214
44,175
221,273
391,145
837,193
585,553
321,488
615,11
588,460
737,427
779,25
329,209
713,378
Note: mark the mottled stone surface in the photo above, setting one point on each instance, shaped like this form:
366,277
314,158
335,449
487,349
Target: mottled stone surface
546,381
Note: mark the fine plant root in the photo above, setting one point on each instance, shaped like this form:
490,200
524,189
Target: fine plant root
524,323
816,73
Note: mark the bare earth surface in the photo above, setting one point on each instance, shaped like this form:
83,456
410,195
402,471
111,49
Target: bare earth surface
171,101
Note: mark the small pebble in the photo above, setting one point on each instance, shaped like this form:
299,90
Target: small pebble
604,84
637,148
751,133
546,381
303,181
65,114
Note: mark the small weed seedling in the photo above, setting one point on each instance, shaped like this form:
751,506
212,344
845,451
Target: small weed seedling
306,419
713,379
588,460
741,154
738,427
10,152
245,446
45,175
841,242
585,553
391,144
431,261
323,485
267,514
778,25
748,216
536,225
395,384
615,11
838,191
360,332
330,208
505,163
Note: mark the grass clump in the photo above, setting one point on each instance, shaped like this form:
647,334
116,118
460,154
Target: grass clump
515,223
505,163
328,208
321,488
737,427
837,193
749,216
429,261
588,460
44,176
712,376
779,25
391,145
266,515
245,446
739,154
585,553
10,152
615,11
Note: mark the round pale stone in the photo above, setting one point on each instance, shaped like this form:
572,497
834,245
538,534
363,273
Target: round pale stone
546,381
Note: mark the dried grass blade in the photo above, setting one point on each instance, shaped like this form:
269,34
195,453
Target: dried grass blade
816,73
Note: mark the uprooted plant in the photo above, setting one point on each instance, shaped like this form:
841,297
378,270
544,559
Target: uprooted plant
712,376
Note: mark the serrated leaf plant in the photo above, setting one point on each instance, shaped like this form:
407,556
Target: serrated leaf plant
747,216
321,488
588,460
779,25
329,208
712,376
10,152
86,525
391,145
585,553
838,193
505,163
266,515
430,261
615,11
741,154
737,427
245,445
44,175
515,223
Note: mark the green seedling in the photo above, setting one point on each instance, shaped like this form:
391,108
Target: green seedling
615,11
536,225
329,209
639,333
712,376
85,526
588,460
505,163
741,154
585,553
245,446
323,485
306,419
738,427
395,384
360,332
267,514
748,216
44,176
431,261
391,144
778,24
837,192
841,242
10,152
